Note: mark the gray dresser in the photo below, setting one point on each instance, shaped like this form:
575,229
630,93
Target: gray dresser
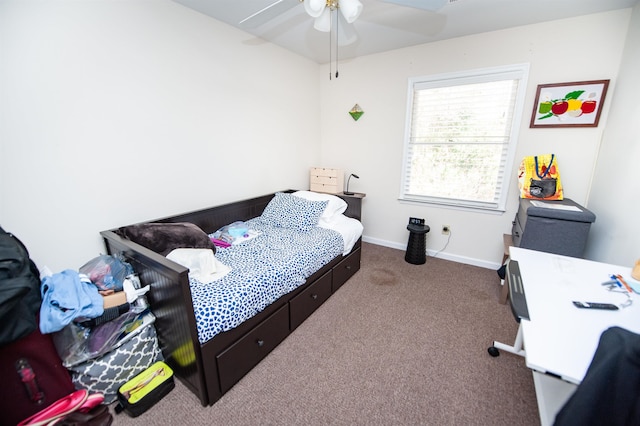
553,230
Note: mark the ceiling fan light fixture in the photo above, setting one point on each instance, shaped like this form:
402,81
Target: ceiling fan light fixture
323,22
322,11
315,8
350,9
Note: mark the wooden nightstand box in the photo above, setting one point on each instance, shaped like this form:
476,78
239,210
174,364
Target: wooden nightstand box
327,180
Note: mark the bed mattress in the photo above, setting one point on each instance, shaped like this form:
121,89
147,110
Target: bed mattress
263,269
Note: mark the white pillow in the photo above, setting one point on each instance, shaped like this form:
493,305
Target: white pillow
335,205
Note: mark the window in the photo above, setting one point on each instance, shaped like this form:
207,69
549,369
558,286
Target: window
461,136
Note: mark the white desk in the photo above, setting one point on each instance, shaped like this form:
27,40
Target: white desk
560,339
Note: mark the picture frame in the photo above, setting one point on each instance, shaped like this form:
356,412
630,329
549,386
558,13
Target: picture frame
575,104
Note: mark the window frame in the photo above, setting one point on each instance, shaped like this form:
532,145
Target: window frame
515,71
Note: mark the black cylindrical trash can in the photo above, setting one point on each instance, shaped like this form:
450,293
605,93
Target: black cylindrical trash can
417,245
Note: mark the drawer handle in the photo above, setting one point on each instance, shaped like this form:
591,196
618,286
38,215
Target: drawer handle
348,267
314,296
260,343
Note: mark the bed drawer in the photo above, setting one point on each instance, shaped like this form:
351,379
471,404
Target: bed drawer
239,358
345,269
303,305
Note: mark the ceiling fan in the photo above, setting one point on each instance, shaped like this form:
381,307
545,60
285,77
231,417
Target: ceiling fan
328,19
321,10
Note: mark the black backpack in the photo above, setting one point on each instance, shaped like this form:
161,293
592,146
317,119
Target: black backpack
20,298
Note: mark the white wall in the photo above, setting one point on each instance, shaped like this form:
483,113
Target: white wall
116,112
583,48
615,237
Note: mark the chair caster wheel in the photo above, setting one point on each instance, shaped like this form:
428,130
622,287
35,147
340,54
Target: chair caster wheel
493,351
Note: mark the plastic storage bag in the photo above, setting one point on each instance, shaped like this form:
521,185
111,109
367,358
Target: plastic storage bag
107,272
76,344
231,232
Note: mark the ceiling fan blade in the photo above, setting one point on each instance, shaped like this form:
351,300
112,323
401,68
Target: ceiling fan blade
267,13
419,4
421,22
346,32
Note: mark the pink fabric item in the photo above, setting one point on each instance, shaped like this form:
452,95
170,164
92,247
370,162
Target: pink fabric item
60,408
220,243
92,401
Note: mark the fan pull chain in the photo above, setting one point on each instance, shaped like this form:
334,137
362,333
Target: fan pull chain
330,56
337,31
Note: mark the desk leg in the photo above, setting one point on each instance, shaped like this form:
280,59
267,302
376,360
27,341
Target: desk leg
552,393
517,347
504,285
504,292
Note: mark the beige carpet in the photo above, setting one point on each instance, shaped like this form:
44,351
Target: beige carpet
398,344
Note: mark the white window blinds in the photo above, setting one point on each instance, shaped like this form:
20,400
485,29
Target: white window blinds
461,133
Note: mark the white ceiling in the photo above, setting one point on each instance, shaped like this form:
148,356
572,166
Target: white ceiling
384,26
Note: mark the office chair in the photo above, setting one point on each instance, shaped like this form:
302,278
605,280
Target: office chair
610,391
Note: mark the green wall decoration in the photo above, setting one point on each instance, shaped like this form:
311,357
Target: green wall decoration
356,112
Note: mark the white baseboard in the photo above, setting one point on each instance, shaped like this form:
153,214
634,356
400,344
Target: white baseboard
441,255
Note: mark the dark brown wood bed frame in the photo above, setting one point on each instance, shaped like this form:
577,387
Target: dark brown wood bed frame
211,369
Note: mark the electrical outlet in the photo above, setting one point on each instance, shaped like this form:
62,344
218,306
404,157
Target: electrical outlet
446,229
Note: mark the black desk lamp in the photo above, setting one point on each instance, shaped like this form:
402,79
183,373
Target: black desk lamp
349,179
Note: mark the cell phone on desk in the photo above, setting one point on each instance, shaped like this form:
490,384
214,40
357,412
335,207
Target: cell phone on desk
596,305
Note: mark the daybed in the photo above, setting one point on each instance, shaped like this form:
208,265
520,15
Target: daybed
211,368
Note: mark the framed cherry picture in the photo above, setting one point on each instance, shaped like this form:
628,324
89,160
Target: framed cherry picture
576,104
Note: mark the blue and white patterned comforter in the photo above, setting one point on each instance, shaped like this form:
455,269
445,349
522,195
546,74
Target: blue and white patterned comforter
262,270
